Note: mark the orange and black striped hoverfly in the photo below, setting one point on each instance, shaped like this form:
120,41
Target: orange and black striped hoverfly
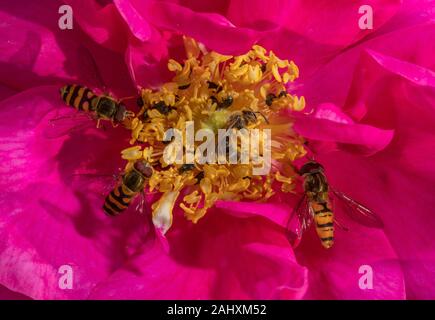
315,206
104,107
91,107
131,184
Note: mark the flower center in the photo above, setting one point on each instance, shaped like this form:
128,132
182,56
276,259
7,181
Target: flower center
216,91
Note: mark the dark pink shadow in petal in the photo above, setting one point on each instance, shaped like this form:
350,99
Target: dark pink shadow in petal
221,257
6,294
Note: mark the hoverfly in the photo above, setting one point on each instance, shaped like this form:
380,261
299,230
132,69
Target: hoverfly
131,184
315,206
103,107
91,107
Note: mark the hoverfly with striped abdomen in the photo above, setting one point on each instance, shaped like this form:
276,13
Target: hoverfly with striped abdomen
104,107
131,184
91,107
315,206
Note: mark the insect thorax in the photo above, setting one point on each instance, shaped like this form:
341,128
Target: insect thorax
316,186
134,180
106,107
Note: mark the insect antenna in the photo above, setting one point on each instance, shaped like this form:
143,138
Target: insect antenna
127,98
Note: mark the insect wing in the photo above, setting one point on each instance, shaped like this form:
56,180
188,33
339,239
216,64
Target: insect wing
358,212
146,198
143,206
304,216
95,183
66,124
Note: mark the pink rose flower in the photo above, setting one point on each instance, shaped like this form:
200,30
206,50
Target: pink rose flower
372,97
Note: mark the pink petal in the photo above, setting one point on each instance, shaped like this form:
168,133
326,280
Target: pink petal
210,260
331,83
6,294
335,273
103,24
322,21
48,218
219,7
310,33
35,51
397,183
6,92
414,73
275,212
216,32
137,24
328,124
147,61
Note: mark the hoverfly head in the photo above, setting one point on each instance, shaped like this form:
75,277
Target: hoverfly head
144,168
311,167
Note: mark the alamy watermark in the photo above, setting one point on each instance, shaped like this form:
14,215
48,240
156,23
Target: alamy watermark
66,279
244,146
366,20
366,280
65,21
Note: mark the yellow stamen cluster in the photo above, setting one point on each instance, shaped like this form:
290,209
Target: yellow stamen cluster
209,88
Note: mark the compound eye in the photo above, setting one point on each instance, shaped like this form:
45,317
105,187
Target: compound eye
144,168
120,113
147,172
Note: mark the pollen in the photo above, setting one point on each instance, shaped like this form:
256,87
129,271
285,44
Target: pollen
217,91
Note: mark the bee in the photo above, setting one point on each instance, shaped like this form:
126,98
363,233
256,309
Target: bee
103,106
243,119
315,205
132,183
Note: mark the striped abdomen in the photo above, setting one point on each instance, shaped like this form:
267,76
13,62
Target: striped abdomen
324,220
78,97
118,200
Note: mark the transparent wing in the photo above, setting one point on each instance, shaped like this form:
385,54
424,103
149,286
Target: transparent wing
142,205
358,212
304,215
66,124
146,198
97,183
